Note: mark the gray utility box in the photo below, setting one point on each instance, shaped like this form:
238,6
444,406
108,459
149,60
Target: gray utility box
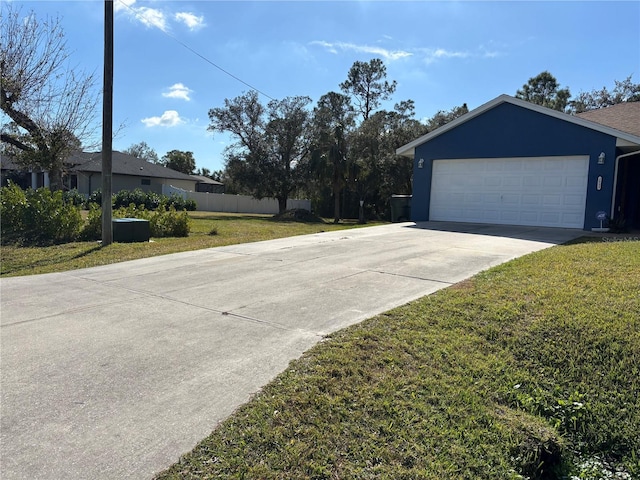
400,208
131,230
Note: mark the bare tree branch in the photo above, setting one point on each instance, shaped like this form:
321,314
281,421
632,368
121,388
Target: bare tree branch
52,105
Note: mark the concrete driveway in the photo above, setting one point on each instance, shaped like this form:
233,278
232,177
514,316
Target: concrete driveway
115,371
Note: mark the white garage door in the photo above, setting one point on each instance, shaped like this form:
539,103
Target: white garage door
539,191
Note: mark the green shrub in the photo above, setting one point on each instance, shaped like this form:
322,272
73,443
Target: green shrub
162,222
148,200
169,223
13,204
174,200
95,197
152,201
190,205
38,216
93,227
73,197
124,198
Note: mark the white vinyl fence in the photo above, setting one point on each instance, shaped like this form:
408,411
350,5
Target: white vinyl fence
221,202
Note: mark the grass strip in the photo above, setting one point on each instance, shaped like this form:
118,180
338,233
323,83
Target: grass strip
229,229
529,370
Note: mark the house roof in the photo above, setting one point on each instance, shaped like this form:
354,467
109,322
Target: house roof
623,116
123,164
624,139
207,180
6,163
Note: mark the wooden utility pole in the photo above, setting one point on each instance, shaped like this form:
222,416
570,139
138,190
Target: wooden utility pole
107,125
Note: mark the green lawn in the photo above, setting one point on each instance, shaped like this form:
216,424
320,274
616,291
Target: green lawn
528,370
230,228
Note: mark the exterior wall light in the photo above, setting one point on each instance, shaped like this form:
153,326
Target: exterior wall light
601,158
421,163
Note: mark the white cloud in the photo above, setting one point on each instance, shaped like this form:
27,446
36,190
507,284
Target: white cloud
430,55
385,53
178,90
153,17
119,5
169,118
190,20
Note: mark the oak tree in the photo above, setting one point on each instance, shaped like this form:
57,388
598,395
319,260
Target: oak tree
143,151
624,91
51,106
270,142
179,161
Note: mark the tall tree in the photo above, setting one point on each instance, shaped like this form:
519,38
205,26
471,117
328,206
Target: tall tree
376,172
179,161
287,145
366,83
51,105
544,89
624,91
143,151
442,117
243,117
204,172
402,128
332,124
270,143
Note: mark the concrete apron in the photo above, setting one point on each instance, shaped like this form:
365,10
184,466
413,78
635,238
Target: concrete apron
115,371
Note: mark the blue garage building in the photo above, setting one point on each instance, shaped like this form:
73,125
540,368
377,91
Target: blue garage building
512,162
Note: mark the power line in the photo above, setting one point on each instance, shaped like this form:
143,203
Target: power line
201,56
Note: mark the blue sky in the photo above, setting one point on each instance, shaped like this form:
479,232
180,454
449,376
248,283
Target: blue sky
442,54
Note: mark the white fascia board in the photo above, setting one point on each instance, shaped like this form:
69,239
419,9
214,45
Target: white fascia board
409,149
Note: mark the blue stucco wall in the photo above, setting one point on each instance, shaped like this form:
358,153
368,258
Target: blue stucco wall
512,131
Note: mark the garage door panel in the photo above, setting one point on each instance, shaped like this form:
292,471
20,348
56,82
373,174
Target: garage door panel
551,218
491,198
573,219
512,181
548,191
533,166
529,200
556,166
511,199
576,182
552,200
531,181
573,200
555,181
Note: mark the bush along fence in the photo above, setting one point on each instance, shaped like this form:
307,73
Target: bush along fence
148,200
43,217
222,202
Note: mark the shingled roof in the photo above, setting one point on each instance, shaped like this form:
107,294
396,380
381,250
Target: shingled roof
123,164
623,116
207,180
